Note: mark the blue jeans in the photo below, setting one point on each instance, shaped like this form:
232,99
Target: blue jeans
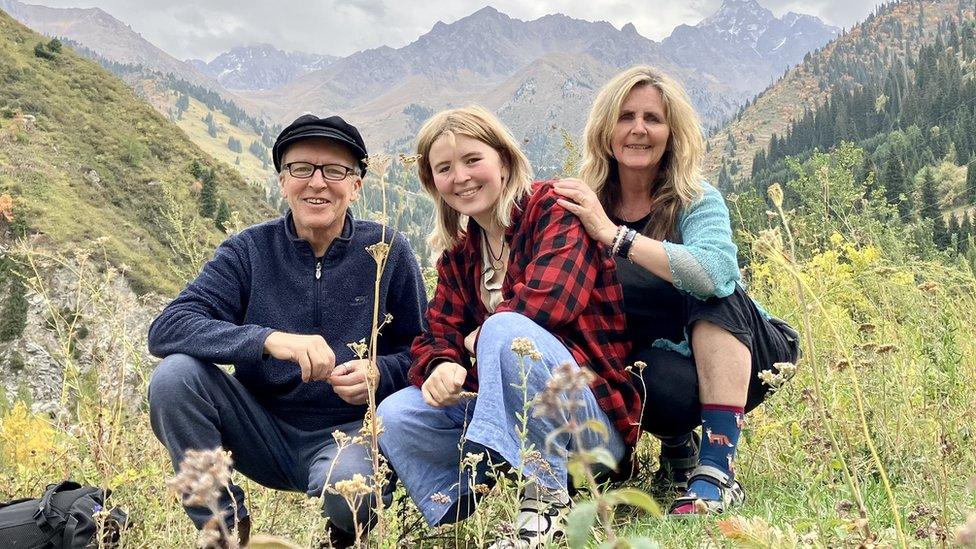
425,444
196,405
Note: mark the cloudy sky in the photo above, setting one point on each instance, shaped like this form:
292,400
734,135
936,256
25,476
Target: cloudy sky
340,27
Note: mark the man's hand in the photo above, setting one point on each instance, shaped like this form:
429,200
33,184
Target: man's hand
310,352
348,380
470,340
443,386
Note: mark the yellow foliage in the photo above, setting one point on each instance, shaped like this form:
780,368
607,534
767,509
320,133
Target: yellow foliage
7,207
756,532
26,439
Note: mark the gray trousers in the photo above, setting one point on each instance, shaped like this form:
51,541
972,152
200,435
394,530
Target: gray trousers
196,405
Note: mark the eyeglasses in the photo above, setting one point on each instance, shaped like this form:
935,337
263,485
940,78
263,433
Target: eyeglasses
330,172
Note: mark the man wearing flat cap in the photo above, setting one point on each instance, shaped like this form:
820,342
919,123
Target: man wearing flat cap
281,301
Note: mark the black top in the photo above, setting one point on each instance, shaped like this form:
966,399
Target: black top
654,307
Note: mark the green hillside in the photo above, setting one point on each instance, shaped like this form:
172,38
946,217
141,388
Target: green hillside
228,133
892,35
915,113
83,158
901,90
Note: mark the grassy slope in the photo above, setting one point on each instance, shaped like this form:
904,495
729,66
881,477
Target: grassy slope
192,123
799,89
900,333
86,119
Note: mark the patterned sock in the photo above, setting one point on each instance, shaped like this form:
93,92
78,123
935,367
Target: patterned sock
721,426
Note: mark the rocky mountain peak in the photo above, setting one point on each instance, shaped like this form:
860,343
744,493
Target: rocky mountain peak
745,20
743,42
261,66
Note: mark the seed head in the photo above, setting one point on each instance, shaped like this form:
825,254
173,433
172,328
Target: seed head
562,391
377,164
341,438
440,497
471,460
409,160
353,488
524,347
359,348
776,194
379,251
203,475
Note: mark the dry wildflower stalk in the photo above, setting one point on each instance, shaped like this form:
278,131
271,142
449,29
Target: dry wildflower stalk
380,251
803,289
204,475
562,398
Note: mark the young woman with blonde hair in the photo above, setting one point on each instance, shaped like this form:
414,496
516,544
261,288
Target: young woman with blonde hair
703,339
513,264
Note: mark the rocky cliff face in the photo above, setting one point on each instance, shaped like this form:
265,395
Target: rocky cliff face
85,329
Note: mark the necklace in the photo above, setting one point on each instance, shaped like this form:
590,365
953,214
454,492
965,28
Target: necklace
495,260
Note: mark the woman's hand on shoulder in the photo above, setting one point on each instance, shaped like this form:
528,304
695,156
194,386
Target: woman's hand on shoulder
579,198
443,386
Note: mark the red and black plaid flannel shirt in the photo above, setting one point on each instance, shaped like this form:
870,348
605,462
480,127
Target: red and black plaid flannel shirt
560,278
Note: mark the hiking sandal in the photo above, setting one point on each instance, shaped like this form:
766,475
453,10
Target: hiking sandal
672,473
731,493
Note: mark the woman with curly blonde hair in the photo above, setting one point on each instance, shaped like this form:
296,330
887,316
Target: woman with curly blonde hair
704,341
513,265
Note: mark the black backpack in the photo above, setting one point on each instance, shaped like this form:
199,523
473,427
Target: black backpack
62,519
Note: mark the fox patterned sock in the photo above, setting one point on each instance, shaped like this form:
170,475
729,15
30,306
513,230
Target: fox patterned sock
721,426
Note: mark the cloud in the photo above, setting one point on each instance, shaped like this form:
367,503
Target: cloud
340,27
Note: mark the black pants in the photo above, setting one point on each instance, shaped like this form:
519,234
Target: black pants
670,381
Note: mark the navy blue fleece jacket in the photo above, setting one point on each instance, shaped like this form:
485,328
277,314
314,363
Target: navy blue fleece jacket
267,279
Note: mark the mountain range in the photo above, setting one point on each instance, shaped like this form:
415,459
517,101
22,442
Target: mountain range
260,66
538,75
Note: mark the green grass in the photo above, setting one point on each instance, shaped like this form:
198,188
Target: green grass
87,120
899,330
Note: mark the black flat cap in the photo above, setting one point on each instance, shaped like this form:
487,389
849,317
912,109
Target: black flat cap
308,126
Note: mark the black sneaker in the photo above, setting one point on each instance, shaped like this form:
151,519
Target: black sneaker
676,465
336,538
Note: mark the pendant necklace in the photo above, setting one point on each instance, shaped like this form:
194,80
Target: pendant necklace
496,261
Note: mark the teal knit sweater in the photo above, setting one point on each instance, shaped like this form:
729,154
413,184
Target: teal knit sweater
705,264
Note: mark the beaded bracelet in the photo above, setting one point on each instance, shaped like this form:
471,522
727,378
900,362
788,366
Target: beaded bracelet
617,239
625,244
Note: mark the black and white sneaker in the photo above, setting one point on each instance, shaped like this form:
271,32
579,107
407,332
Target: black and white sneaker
539,523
